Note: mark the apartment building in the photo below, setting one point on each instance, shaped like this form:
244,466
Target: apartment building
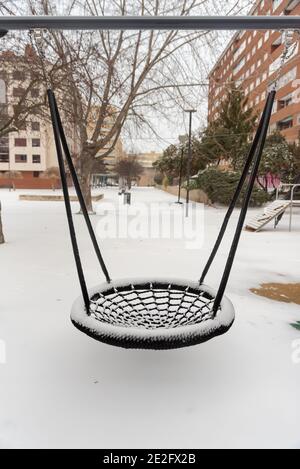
25,154
252,61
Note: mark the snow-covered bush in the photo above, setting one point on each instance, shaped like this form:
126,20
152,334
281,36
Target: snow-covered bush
220,185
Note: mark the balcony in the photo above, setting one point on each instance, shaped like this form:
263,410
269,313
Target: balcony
285,124
290,6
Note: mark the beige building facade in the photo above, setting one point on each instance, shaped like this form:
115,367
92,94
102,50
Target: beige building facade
27,153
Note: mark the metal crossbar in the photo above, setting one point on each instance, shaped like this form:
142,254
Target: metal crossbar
150,22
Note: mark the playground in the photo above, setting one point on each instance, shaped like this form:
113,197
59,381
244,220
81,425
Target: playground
62,389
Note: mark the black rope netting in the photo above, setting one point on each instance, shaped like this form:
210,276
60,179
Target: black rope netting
152,306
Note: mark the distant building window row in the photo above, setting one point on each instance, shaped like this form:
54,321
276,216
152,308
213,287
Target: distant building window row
252,53
23,158
22,142
34,126
18,92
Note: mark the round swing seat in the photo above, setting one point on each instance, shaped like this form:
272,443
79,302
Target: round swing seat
152,314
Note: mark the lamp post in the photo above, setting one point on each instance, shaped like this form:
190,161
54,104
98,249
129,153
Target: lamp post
188,166
180,178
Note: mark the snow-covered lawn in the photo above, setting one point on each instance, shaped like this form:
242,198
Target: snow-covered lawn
59,388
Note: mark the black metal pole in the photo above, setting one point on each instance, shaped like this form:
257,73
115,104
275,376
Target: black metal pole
188,164
67,200
230,23
78,191
237,193
245,205
180,177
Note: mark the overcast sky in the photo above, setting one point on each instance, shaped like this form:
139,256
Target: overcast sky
217,41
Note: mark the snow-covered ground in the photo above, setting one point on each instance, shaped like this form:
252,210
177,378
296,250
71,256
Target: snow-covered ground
59,388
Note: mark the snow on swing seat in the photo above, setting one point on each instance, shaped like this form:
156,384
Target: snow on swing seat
152,314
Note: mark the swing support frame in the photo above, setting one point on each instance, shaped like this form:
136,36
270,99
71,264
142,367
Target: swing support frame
226,23
36,24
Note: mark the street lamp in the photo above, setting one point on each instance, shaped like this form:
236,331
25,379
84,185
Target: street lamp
189,156
180,178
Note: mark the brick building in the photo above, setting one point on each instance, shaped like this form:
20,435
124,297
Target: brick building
251,60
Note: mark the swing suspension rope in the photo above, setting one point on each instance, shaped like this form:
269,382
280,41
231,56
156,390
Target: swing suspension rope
155,305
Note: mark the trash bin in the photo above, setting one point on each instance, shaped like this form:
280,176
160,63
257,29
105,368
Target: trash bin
127,198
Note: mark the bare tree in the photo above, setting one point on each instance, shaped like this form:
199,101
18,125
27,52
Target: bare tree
52,173
107,76
129,168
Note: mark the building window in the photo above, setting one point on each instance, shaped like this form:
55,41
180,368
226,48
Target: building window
36,174
18,92
18,75
239,51
285,124
284,102
21,158
35,92
4,158
20,142
239,66
36,142
4,150
35,126
287,77
36,158
276,44
2,91
22,125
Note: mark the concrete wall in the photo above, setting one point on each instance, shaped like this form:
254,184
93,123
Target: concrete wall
29,183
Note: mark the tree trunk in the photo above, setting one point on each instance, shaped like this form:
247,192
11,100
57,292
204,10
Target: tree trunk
85,183
2,240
